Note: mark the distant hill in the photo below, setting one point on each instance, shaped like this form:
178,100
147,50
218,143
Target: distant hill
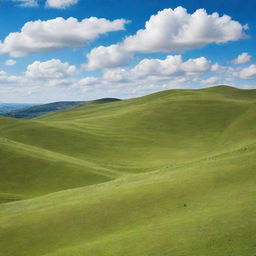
10,107
39,110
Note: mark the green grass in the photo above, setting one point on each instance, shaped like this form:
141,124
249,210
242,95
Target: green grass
172,173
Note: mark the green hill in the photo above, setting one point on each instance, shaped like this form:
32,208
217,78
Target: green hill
172,173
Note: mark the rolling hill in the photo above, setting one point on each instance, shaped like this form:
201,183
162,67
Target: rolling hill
171,173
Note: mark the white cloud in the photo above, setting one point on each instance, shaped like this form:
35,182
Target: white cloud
173,65
213,80
221,69
7,79
57,82
10,62
57,4
60,4
197,65
248,72
41,36
2,73
52,69
242,58
107,57
169,66
170,30
172,72
152,73
26,3
116,75
86,81
175,30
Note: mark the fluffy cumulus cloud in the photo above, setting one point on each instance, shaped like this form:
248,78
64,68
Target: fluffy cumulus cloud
57,4
170,30
213,80
172,65
6,79
41,36
242,58
51,69
149,75
154,72
107,57
86,81
60,4
248,72
10,62
116,75
171,72
175,30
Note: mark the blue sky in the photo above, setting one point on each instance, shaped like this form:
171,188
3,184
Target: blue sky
53,50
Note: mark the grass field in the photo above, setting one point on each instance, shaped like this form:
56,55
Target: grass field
172,173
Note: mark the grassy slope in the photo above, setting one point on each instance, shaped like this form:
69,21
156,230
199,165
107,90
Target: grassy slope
192,147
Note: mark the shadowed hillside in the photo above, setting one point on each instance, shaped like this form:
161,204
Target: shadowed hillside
39,110
171,173
6,108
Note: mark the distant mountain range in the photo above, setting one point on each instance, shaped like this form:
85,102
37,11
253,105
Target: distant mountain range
29,112
9,107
